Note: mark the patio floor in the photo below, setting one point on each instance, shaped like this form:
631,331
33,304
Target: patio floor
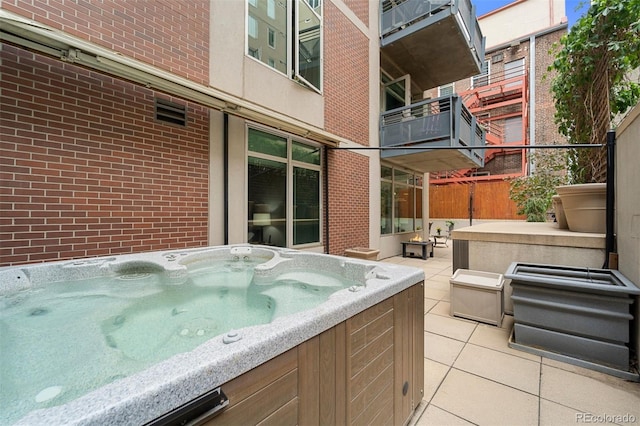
473,377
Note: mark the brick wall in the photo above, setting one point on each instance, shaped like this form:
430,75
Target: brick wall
360,8
85,169
173,35
346,77
348,201
546,129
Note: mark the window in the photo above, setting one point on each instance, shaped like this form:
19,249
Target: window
295,33
308,61
482,79
252,28
254,53
279,166
395,93
400,200
446,90
272,38
513,130
513,69
271,9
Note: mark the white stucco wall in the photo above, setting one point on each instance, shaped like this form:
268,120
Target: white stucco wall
238,74
627,218
519,19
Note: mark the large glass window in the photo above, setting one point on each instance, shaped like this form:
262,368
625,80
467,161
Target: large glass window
400,200
267,27
278,166
309,45
293,30
395,93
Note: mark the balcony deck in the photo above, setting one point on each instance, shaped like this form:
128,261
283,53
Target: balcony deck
413,131
436,41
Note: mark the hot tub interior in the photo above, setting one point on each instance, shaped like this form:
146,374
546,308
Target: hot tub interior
91,331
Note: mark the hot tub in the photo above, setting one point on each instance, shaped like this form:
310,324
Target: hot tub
158,337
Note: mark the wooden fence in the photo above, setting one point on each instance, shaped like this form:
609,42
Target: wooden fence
490,200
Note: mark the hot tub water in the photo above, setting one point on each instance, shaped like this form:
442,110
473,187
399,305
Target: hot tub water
65,339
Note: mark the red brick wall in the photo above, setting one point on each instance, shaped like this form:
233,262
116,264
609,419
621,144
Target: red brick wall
546,129
170,34
346,77
85,169
360,8
348,201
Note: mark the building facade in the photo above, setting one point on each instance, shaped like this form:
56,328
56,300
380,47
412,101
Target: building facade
512,96
139,126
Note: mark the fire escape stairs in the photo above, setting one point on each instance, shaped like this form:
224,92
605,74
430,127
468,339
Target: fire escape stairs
479,100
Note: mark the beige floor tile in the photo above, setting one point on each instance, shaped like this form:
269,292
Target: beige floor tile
431,274
484,402
496,338
552,414
436,416
434,373
587,394
500,367
429,304
441,349
432,293
437,284
627,386
416,263
441,278
442,308
451,327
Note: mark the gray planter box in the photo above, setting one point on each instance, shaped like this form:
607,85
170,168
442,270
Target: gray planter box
581,314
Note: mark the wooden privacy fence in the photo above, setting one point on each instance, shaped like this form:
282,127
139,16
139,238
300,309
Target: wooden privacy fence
490,201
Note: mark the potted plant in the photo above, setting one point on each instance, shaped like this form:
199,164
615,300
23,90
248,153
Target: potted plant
450,224
438,230
533,193
592,65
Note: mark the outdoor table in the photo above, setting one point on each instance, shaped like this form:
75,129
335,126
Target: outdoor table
424,244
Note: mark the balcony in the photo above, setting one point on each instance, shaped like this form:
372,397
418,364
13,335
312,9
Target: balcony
416,129
436,41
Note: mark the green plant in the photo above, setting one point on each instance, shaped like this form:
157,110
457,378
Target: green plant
438,230
592,83
450,224
533,193
536,209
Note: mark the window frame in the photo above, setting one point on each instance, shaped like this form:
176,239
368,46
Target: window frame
289,195
453,89
413,186
292,65
296,46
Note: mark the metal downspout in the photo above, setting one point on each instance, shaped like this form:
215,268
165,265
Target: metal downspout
225,166
326,200
610,200
532,98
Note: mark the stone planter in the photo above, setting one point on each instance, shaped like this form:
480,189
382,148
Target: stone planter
584,206
362,253
582,316
558,209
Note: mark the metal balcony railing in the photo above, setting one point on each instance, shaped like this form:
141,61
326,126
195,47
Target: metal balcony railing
443,121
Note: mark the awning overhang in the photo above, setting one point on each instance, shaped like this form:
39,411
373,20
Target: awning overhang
29,34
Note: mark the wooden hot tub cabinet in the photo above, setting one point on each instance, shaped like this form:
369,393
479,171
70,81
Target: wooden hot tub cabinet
366,370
